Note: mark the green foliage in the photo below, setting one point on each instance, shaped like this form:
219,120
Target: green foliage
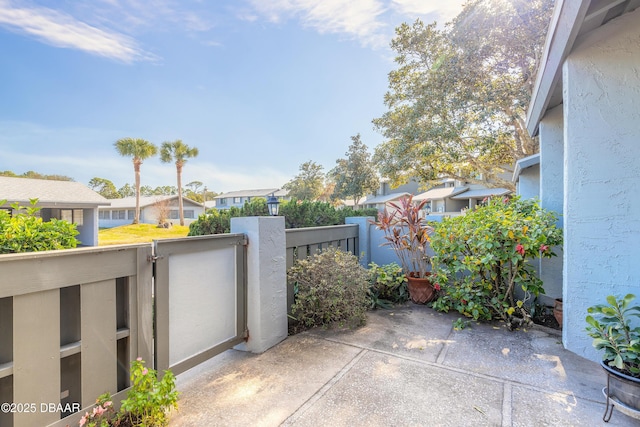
482,257
148,399
25,232
147,403
297,214
101,415
308,184
127,191
161,190
178,152
611,330
356,175
139,150
218,221
458,98
305,213
104,187
388,285
36,175
332,287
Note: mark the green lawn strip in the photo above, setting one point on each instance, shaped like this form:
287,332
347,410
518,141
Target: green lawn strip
138,233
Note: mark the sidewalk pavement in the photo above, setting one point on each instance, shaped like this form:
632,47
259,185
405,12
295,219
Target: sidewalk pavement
406,367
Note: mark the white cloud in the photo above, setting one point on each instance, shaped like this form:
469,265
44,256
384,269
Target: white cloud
63,30
358,19
444,10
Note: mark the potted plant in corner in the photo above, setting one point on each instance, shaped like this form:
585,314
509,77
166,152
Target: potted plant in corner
407,233
610,326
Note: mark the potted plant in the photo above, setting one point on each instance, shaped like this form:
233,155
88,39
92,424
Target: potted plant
407,233
610,326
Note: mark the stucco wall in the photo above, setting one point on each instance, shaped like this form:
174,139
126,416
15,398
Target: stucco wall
601,81
529,182
552,195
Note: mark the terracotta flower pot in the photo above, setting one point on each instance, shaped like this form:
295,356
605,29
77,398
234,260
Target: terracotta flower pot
557,311
421,290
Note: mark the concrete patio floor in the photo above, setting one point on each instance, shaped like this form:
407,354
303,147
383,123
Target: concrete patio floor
406,367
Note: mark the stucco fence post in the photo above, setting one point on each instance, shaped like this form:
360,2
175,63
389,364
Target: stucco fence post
266,281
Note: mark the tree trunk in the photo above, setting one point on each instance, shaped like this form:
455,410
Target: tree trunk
180,209
136,168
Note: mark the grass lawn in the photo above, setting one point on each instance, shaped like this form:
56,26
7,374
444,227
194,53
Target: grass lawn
139,233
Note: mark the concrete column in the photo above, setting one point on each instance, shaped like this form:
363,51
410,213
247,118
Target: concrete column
552,195
601,83
266,281
364,237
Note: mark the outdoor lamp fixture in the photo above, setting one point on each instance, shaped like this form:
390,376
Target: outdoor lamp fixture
272,205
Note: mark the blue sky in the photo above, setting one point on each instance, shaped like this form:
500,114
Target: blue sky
259,86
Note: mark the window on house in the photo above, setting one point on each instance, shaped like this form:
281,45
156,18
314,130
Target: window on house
66,215
222,201
74,216
104,214
189,213
131,213
118,214
78,216
173,214
237,200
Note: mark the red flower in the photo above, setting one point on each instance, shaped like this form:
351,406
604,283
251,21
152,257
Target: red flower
505,200
464,302
520,249
543,248
436,286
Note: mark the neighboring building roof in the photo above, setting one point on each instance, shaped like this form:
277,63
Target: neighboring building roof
386,198
440,193
524,163
49,193
571,20
254,193
482,193
130,202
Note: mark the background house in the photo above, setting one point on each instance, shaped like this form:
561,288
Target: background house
239,198
585,109
152,210
67,200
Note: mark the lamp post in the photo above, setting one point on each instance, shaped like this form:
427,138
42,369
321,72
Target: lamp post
273,205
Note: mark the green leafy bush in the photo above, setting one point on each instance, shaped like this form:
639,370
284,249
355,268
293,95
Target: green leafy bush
388,285
331,287
297,214
25,232
146,405
148,399
482,257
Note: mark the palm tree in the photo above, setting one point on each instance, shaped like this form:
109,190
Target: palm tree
179,152
139,149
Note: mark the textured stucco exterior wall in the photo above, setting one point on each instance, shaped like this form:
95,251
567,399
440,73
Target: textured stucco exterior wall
552,195
552,161
529,182
601,83
266,281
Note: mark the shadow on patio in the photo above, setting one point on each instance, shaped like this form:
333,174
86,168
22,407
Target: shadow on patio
406,367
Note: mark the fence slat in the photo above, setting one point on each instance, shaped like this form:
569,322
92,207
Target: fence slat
36,352
98,345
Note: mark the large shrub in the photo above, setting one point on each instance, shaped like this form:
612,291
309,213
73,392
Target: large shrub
297,214
388,285
483,257
24,231
331,287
